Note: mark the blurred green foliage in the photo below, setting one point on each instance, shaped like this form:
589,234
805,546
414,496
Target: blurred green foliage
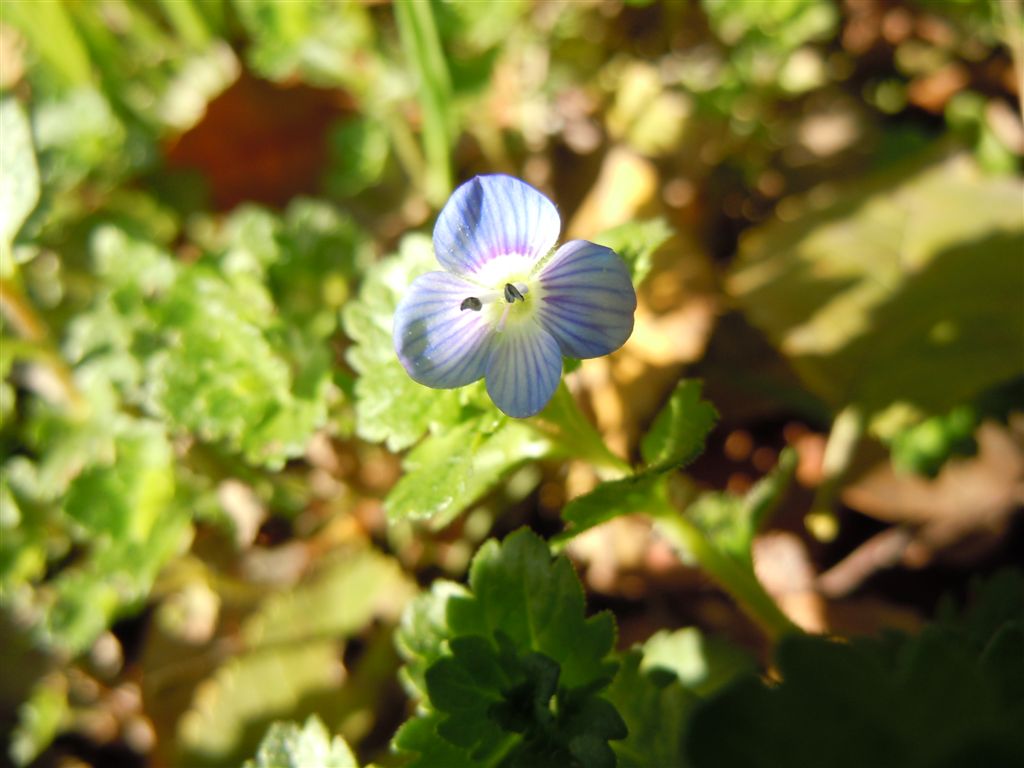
192,495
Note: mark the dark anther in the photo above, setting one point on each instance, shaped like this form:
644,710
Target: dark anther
512,293
471,303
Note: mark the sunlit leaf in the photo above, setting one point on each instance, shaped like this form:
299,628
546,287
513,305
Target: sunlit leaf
390,406
677,436
904,287
232,710
291,656
636,242
39,719
447,472
228,376
342,598
19,176
702,663
288,745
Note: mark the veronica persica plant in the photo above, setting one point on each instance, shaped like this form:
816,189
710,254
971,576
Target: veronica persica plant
507,308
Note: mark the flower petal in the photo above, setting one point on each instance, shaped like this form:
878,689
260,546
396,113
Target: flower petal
491,216
588,299
524,370
439,344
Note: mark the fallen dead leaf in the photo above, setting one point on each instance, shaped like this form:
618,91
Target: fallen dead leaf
961,513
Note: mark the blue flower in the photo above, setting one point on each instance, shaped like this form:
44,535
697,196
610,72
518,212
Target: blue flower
506,308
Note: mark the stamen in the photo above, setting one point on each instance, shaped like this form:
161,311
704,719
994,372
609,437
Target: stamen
512,293
472,302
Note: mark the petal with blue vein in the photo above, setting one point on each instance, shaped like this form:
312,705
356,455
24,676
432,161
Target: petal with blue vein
438,343
588,299
524,370
491,216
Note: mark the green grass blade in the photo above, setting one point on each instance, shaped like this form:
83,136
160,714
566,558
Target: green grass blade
422,48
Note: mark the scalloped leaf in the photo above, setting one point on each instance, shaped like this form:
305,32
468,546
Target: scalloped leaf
517,682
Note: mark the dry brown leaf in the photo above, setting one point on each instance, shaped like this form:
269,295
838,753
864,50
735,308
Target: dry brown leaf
676,307
967,505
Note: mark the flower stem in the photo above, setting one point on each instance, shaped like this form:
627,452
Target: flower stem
563,422
734,576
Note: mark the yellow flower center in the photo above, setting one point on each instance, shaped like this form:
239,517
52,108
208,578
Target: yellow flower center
509,296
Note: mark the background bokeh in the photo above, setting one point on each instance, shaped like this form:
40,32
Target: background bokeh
206,524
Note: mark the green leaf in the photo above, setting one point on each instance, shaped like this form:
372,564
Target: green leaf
92,519
418,737
40,718
120,507
206,349
658,686
518,680
288,745
646,492
123,497
992,603
341,598
952,710
324,44
729,523
290,659
702,663
637,242
952,685
485,692
447,472
230,374
19,176
422,635
78,135
188,21
925,447
235,706
784,25
53,37
476,28
675,439
873,309
505,704
655,707
519,590
717,531
321,250
390,406
677,436
306,258
359,154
